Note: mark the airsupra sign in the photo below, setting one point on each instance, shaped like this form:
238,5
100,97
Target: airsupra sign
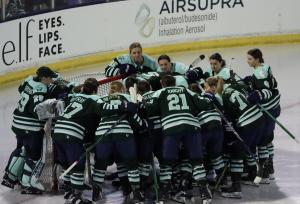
177,6
33,38
70,33
191,17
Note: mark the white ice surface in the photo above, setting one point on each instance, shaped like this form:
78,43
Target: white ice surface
285,62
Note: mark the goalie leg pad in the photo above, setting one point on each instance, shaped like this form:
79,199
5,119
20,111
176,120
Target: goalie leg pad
15,164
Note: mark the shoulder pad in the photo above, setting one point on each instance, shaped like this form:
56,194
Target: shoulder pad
224,73
181,81
180,68
157,93
262,72
150,62
149,93
124,59
39,87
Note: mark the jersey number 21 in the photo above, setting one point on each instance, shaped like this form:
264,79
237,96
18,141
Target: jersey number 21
174,102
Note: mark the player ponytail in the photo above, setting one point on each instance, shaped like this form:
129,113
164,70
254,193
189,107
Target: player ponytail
220,86
116,87
256,54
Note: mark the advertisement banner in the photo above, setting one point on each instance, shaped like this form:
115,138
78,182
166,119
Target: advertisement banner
55,36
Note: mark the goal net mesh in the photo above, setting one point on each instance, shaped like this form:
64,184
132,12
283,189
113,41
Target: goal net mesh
51,171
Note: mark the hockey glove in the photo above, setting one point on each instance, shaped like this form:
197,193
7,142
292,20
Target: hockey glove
127,69
199,72
247,79
275,92
131,107
254,97
194,75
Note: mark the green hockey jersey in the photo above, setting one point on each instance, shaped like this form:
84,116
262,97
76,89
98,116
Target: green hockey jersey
152,116
263,80
125,127
225,73
237,108
209,119
25,119
149,65
177,108
77,120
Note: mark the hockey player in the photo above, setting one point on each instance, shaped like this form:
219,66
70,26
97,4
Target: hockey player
72,129
248,121
119,141
132,63
60,88
211,128
217,68
167,67
171,68
29,133
177,106
144,89
265,92
152,141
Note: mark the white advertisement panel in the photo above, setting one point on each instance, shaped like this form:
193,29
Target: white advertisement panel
80,31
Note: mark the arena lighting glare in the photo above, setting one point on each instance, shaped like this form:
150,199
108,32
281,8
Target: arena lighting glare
144,21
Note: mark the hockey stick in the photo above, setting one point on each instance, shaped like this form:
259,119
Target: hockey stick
38,169
231,128
196,61
220,178
102,81
88,168
235,132
133,95
110,79
226,120
155,180
262,109
92,146
277,122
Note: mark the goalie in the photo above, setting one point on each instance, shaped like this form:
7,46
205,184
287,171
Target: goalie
29,133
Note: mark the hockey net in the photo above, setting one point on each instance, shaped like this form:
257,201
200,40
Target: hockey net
52,171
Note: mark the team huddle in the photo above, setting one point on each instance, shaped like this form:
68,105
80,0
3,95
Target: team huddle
207,129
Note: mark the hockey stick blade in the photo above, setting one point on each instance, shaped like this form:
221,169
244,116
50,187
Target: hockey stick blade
197,60
69,169
133,94
92,146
